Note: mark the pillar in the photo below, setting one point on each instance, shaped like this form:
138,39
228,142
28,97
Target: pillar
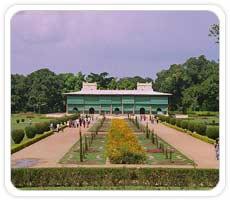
122,109
66,106
111,109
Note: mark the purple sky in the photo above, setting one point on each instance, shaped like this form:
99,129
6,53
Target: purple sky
123,43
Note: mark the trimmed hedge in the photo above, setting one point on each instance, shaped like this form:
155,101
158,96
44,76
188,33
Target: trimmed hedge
17,135
200,127
178,122
69,177
27,143
212,132
172,121
196,135
184,124
30,131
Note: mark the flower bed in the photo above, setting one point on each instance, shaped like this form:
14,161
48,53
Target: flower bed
122,145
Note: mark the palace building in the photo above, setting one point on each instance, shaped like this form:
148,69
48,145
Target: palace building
142,100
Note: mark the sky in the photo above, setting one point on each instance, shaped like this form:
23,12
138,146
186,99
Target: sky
122,43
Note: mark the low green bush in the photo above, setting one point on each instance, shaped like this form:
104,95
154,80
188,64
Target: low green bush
191,125
27,143
178,122
184,124
159,177
200,127
17,135
18,121
30,131
22,120
172,121
212,132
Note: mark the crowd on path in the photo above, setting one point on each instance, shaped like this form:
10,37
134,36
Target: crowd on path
82,121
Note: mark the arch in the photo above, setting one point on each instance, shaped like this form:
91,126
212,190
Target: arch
91,110
159,109
142,110
75,110
116,110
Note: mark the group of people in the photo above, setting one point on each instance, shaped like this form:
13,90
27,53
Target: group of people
58,127
83,120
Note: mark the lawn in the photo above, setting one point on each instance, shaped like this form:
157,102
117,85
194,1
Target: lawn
35,118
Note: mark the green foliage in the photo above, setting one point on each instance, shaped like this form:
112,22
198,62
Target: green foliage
30,131
17,135
194,84
27,143
200,127
18,121
212,132
74,177
172,121
214,31
184,124
191,125
178,122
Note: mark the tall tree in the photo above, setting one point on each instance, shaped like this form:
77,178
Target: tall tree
214,31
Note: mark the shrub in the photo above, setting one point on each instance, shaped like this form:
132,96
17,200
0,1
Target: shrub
17,135
22,120
191,125
30,131
178,122
41,127
212,132
167,119
79,176
184,124
17,121
172,121
30,116
200,127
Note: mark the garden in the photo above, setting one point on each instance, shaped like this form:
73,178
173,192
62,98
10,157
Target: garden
122,141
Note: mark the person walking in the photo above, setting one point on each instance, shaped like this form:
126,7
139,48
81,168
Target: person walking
217,148
61,127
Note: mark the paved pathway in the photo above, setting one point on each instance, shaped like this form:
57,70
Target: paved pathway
202,153
50,150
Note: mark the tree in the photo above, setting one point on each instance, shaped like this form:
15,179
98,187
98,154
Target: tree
101,79
214,32
19,93
44,93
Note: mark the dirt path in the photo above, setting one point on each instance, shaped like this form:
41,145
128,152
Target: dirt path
202,153
50,150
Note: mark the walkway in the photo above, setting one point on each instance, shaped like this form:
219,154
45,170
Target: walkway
47,152
202,153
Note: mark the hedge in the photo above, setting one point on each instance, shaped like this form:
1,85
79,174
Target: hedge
30,131
200,127
184,124
212,132
172,121
17,135
78,177
196,135
27,143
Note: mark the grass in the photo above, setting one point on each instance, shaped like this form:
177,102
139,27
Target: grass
21,125
117,188
95,156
